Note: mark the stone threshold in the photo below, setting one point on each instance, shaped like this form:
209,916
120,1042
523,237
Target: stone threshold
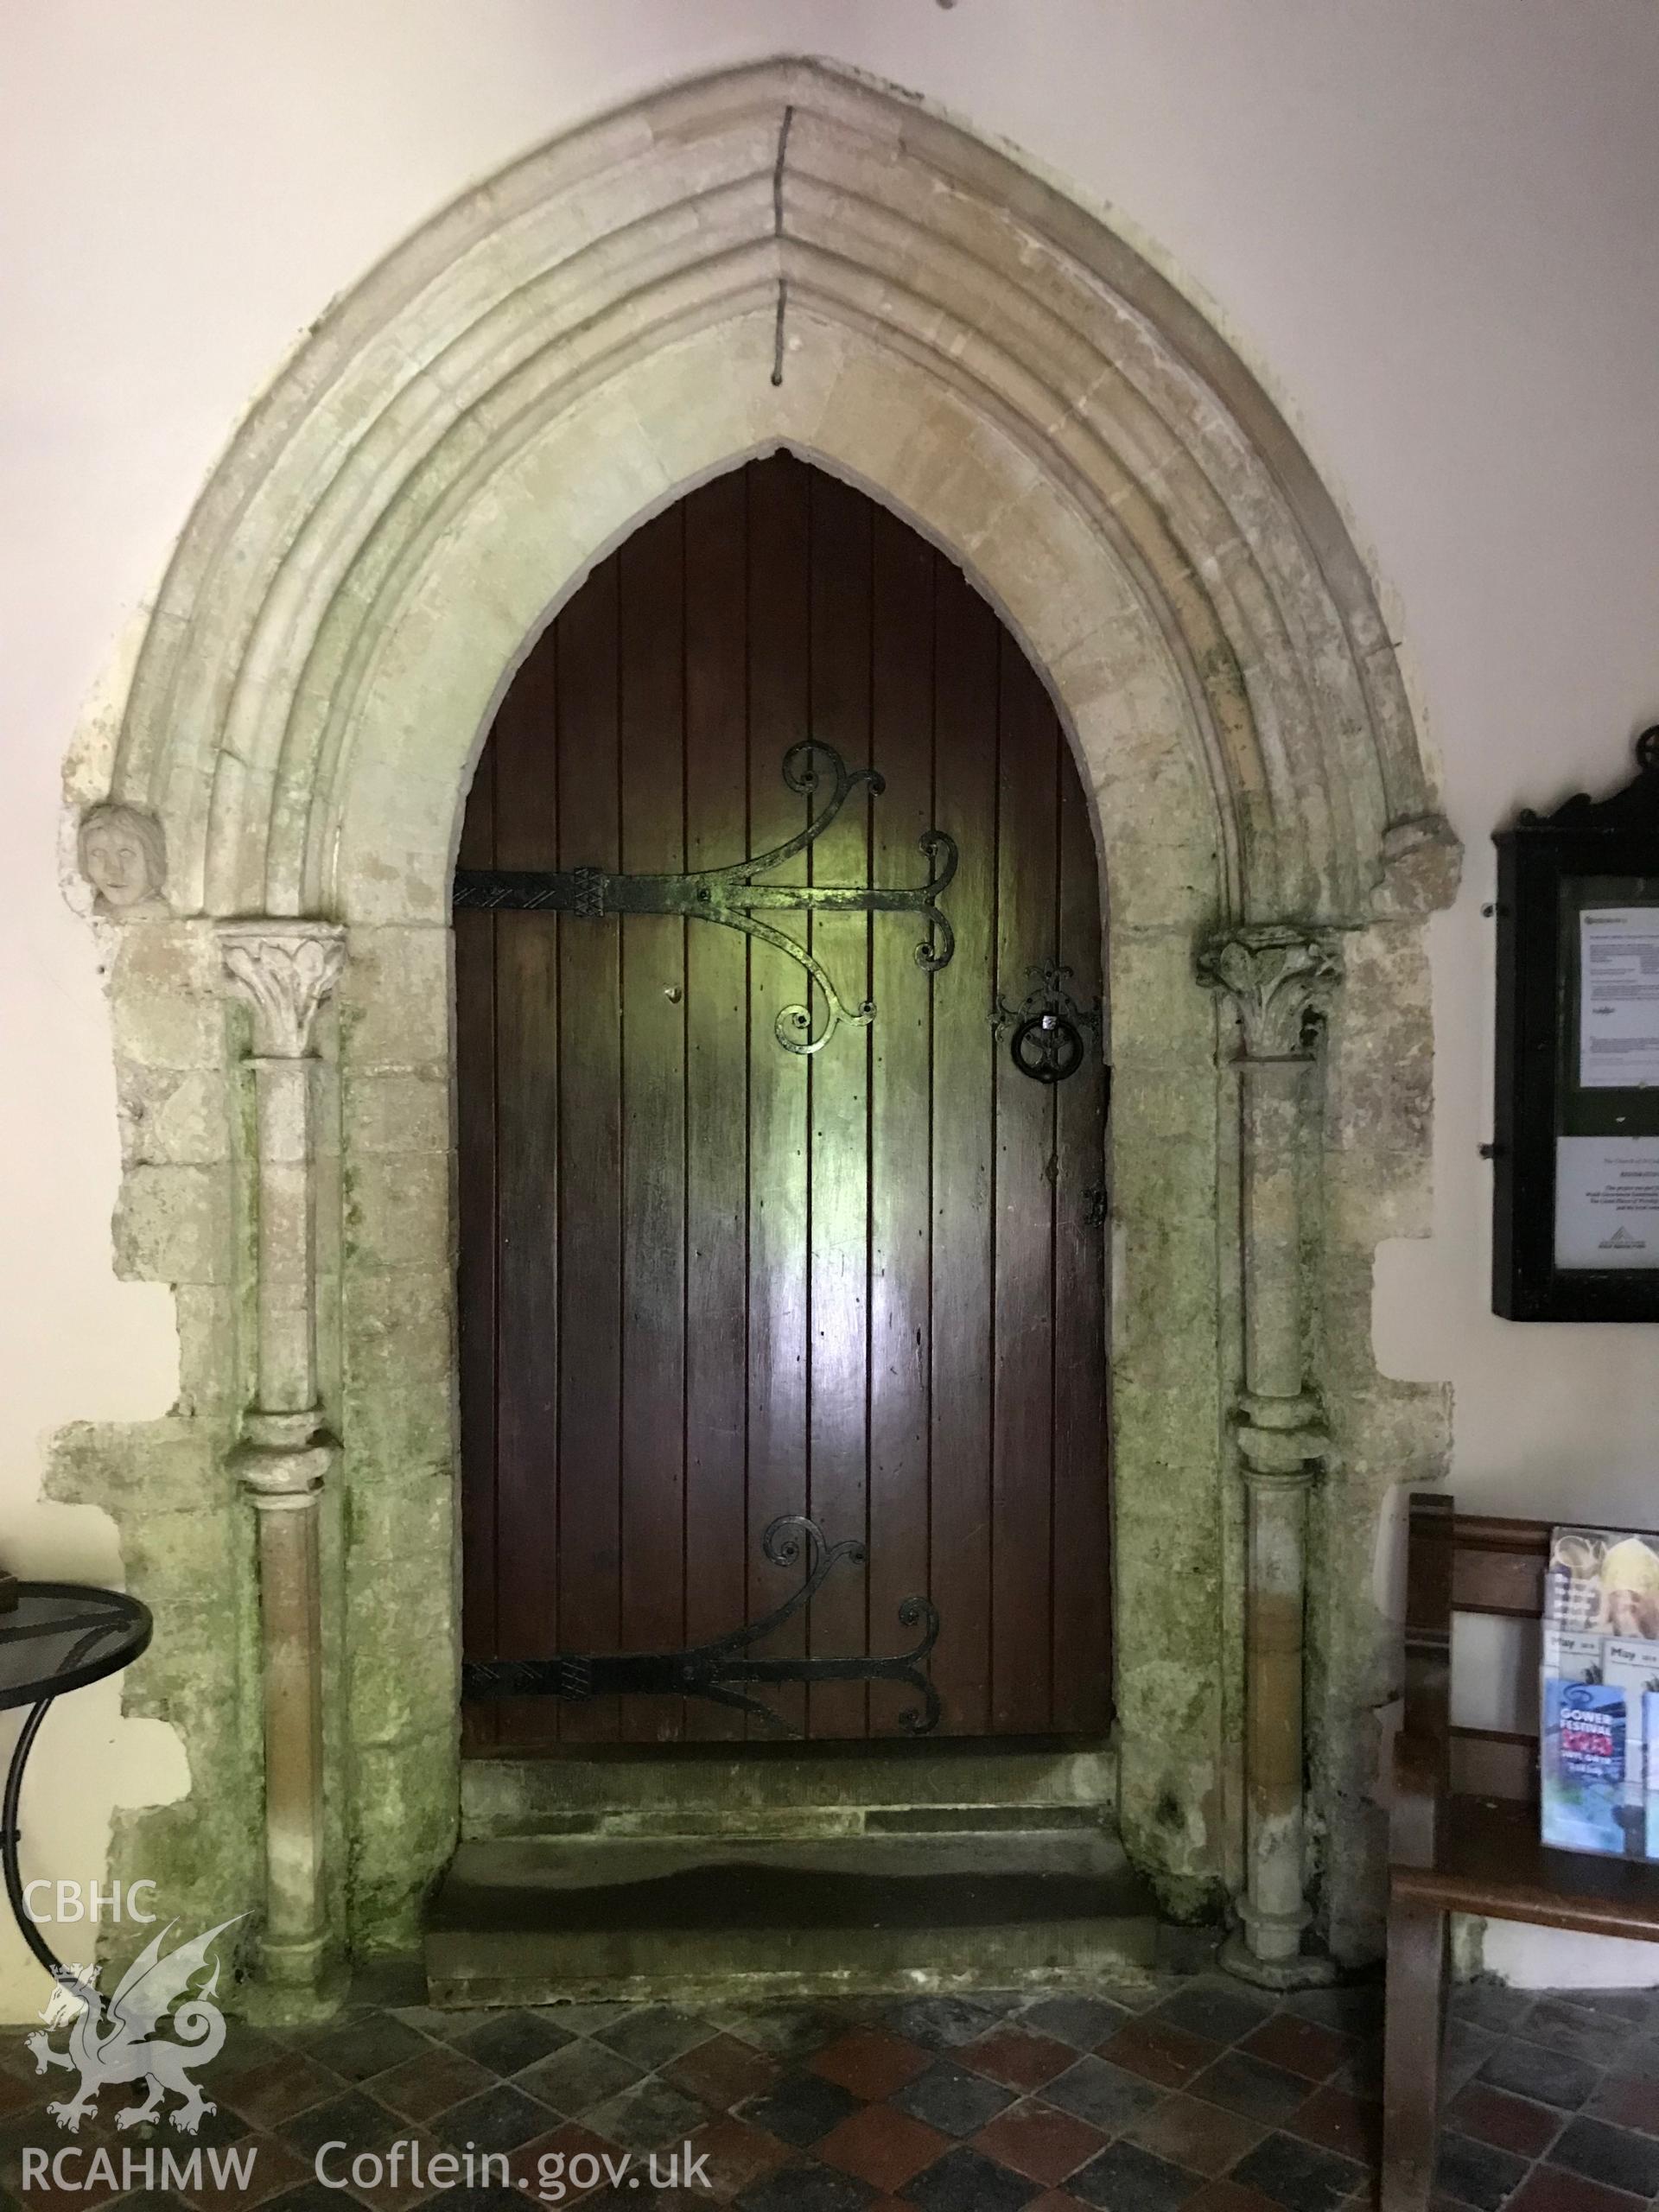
801,1790
532,1920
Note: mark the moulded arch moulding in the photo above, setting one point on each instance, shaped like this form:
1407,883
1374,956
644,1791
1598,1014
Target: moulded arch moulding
572,343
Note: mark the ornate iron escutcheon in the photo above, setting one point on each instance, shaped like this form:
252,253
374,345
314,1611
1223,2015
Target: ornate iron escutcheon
731,896
715,1670
1050,1027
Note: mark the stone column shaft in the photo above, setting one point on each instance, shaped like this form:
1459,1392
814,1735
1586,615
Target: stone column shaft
1276,978
290,1635
285,970
287,1350
1272,1108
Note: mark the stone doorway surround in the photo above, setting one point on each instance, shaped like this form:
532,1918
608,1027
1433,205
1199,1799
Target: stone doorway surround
780,254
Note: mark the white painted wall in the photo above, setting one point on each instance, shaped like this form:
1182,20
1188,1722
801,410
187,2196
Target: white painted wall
1429,226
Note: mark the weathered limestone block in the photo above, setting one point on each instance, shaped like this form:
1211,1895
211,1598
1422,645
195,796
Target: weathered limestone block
171,1117
1118,659
1048,591
397,1111
859,424
397,1211
172,1225
1165,873
402,1553
968,480
194,1569
1422,866
1381,1069
400,1357
409,1792
687,417
1159,1021
394,999
193,1549
156,1026
202,1853
164,1466
164,1000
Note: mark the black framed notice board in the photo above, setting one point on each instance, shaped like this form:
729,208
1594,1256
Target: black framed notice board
1576,1130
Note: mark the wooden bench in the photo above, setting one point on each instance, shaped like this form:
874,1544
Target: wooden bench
1464,1832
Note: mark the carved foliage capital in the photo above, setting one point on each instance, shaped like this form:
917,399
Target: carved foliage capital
285,969
1280,978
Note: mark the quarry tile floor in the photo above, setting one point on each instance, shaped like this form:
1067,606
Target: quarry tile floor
1191,2092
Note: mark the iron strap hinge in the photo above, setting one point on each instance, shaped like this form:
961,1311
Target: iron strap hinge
715,1669
731,897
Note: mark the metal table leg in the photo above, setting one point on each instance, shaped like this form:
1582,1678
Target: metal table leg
66,1977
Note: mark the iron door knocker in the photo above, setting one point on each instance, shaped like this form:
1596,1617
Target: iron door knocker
1047,1047
1049,1025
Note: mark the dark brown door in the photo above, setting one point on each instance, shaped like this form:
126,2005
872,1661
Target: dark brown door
705,1282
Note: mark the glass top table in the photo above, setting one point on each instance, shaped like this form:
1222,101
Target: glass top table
58,1636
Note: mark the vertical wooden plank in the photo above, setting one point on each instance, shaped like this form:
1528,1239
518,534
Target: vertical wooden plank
527,1172
780,1225
475,1273
965,640
838,1080
901,1164
1082,1578
1027,1168
652,956
717,1085
590,1206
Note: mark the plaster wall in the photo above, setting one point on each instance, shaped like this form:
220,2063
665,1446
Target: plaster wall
1425,226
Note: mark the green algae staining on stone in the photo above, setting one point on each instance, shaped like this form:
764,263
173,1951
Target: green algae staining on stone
1222,673
186,1550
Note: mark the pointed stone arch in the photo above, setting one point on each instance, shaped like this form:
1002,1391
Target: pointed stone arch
786,254
1065,386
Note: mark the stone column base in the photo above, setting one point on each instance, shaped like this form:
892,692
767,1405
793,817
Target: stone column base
1303,1970
296,1983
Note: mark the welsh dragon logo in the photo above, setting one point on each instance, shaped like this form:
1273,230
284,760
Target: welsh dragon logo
114,2042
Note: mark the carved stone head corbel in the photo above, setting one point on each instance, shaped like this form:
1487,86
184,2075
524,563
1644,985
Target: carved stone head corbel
123,855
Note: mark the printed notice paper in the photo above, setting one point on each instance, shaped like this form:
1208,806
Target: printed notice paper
1608,1202
1618,997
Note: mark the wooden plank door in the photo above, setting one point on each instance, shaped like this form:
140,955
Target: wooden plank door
704,1281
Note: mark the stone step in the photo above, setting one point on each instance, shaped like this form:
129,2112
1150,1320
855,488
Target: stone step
794,1789
538,1920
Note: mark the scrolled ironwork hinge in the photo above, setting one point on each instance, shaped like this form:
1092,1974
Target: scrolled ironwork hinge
731,896
713,1670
